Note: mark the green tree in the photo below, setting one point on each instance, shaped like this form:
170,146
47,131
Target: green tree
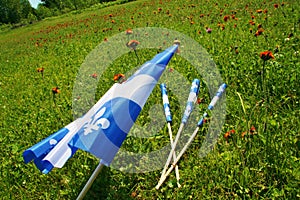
10,11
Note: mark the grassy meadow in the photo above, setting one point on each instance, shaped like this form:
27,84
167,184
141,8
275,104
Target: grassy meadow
257,153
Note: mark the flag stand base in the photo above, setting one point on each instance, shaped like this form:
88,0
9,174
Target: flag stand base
90,181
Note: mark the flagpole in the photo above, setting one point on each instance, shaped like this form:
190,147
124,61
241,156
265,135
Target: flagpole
163,178
219,93
90,181
174,155
189,106
168,115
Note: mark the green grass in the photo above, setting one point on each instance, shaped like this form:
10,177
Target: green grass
260,166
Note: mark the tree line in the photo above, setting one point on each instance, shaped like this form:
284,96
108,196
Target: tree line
20,11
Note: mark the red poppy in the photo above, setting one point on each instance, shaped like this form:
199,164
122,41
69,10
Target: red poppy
266,55
259,26
226,18
119,77
251,22
132,44
40,69
55,90
94,75
228,134
252,130
244,133
200,100
128,31
259,11
110,15
276,5
259,32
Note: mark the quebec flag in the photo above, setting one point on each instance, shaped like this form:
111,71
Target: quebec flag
102,130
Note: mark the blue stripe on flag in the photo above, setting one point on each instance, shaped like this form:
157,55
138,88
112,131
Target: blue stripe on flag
104,134
43,147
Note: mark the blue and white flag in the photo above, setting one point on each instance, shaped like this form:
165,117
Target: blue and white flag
102,130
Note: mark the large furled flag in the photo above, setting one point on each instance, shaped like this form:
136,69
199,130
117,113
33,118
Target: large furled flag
102,130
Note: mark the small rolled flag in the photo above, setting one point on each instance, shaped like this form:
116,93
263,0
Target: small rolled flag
166,102
191,100
189,107
168,115
213,102
200,123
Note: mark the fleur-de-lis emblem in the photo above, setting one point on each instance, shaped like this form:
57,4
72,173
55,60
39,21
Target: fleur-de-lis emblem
96,122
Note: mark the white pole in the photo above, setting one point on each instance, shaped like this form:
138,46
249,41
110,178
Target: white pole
219,93
174,155
188,109
172,150
164,176
90,181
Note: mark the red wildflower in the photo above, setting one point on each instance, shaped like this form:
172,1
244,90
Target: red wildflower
259,26
276,5
119,77
259,32
200,100
132,44
110,15
128,31
252,130
228,134
94,75
55,90
251,22
266,55
40,69
226,18
259,11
